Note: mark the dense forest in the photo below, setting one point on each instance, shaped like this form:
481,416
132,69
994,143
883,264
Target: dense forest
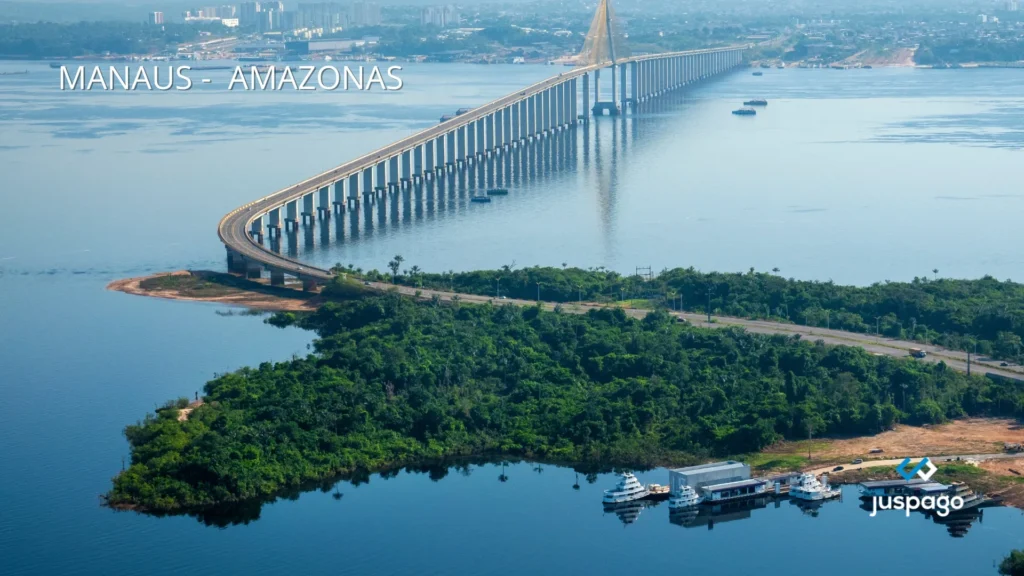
957,314
393,381
968,50
49,40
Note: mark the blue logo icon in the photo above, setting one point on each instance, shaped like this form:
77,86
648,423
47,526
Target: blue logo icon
916,470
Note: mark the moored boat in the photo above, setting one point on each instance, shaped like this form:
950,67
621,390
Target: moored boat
756,102
745,112
809,488
481,199
686,497
657,492
627,490
759,73
497,192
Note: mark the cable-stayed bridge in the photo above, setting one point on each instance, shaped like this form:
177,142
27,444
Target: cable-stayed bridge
484,136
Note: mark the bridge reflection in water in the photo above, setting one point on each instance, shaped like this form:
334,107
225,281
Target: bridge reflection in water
596,152
522,136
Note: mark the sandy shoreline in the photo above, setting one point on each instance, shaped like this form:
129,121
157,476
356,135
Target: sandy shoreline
237,297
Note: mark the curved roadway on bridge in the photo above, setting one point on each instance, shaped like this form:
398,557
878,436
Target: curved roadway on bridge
234,227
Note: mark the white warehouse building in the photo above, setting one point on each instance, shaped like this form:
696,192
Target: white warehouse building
707,474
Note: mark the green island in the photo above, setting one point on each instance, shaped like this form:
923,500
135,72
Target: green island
395,381
957,314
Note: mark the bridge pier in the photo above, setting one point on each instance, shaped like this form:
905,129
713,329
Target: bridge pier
253,269
276,278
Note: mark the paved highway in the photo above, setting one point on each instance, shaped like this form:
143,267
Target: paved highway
883,346
233,228
894,462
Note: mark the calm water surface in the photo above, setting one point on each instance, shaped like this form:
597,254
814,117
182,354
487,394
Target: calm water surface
857,176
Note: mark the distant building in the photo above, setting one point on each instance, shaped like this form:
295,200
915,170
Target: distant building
1012,5
443,16
982,19
156,18
365,14
270,20
715,473
249,14
229,22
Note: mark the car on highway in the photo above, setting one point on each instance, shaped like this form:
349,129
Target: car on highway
858,461
1004,364
837,468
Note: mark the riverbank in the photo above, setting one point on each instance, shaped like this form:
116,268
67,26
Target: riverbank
969,450
218,288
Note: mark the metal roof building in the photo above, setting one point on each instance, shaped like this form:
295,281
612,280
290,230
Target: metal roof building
705,474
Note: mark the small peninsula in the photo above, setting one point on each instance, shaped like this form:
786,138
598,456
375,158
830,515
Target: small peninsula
396,381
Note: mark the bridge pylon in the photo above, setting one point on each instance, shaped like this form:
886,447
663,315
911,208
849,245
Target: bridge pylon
605,44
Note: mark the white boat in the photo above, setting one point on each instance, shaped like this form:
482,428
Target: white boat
685,498
627,490
809,488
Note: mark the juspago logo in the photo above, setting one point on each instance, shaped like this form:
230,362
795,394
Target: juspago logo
941,505
917,470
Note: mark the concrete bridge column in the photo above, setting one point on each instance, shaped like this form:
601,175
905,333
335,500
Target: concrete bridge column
367,187
462,143
645,80
405,176
614,86
291,218
392,173
586,98
351,193
274,223
565,108
338,205
236,264
481,137
597,87
380,180
323,205
435,155
429,160
449,148
255,232
497,130
505,135
417,160
308,209
253,270
556,108
531,118
488,132
308,285
634,78
622,86
276,277
573,94
514,125
471,138
545,111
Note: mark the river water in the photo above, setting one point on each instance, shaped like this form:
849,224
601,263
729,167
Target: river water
857,176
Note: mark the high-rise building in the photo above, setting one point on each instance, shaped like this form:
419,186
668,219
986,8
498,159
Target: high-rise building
326,15
443,16
1012,5
270,20
365,14
249,14
156,18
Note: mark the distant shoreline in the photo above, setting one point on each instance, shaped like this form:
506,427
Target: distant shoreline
216,288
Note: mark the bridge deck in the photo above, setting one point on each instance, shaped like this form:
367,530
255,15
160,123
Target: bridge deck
233,228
